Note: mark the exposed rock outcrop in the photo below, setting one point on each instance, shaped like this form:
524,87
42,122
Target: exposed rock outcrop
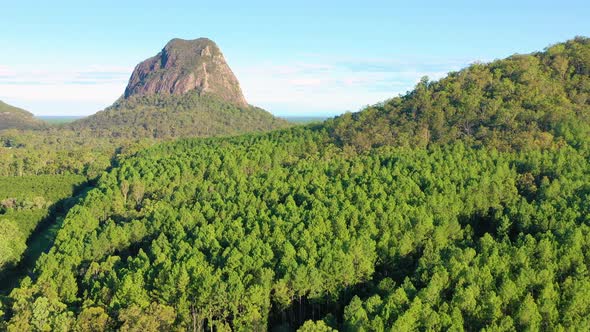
184,66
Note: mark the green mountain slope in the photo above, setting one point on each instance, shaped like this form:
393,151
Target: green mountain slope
14,117
187,115
523,101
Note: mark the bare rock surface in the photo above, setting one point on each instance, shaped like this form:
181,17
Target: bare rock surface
183,66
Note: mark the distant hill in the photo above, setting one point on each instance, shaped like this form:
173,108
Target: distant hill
14,117
168,116
531,100
185,90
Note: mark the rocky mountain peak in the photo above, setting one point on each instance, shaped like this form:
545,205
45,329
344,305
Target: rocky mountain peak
185,66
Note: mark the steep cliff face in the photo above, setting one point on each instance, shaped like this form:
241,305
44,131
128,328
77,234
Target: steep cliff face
184,66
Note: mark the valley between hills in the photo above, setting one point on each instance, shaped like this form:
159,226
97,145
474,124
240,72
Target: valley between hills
463,204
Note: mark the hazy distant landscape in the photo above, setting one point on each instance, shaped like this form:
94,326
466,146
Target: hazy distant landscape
305,119
57,119
457,200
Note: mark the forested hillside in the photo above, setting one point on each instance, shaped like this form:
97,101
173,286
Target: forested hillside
57,151
524,101
89,148
462,205
279,229
170,116
14,117
25,203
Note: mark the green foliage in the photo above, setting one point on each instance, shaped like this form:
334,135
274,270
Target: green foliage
14,117
24,203
57,151
315,326
12,243
89,146
169,116
93,319
156,317
523,102
286,226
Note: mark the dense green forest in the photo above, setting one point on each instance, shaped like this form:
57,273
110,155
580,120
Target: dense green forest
58,151
25,203
283,228
88,146
462,205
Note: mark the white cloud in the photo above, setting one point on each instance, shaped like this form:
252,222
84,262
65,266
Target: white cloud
322,85
5,71
63,90
313,85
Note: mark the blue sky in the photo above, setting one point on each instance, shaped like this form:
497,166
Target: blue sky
302,58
